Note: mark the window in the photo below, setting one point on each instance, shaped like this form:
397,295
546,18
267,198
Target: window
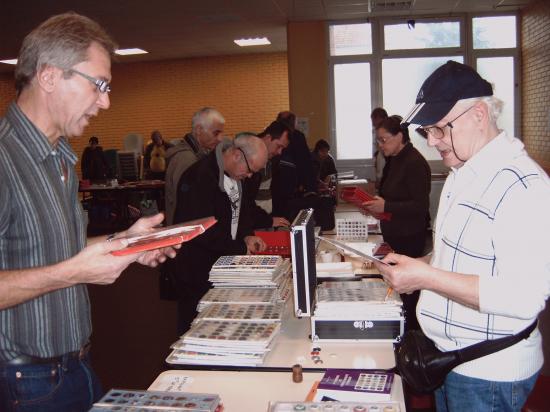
350,39
399,91
385,61
421,35
494,32
500,72
352,109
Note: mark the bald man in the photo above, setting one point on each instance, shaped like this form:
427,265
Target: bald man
212,187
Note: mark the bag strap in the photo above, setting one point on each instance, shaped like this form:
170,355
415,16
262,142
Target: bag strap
487,347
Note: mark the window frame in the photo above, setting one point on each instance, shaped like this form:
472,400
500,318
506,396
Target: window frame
364,167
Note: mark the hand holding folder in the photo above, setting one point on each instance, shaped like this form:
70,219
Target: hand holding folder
165,236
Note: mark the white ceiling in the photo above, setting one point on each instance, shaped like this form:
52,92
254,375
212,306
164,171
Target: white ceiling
182,28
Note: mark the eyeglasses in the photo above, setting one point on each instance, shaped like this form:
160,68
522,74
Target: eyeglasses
438,132
246,160
383,140
102,85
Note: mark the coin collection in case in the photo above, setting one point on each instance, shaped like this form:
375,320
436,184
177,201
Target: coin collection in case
134,400
334,407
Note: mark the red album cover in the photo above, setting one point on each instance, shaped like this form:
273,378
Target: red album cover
166,236
357,196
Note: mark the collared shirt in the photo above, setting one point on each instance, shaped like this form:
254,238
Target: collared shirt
493,222
41,223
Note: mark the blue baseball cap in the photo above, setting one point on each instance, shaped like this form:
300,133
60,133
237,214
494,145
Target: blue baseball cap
439,93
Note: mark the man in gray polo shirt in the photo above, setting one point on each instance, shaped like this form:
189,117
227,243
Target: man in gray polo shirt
62,81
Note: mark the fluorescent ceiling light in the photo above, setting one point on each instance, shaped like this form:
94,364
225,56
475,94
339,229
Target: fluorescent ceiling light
11,61
126,52
258,41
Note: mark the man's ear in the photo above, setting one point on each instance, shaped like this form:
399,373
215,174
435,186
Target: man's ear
481,111
47,78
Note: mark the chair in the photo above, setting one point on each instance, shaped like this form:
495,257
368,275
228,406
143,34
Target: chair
133,142
127,165
111,159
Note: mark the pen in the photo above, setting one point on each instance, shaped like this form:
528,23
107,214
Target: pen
388,293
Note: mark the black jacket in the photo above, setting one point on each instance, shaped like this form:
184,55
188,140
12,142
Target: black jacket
293,175
199,195
405,187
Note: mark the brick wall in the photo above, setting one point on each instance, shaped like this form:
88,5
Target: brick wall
249,90
535,38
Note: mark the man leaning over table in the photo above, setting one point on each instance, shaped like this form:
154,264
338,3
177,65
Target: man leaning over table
62,81
213,187
489,275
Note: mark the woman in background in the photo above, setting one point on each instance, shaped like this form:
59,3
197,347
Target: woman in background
405,193
94,166
323,162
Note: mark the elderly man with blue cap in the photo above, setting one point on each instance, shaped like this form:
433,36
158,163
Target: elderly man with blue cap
489,273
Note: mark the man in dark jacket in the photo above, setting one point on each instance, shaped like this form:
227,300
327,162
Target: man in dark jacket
257,188
294,185
212,187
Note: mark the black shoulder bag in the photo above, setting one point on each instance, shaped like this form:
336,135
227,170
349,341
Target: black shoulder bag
424,367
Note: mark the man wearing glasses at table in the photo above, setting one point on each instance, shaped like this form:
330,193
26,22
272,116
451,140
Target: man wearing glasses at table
62,81
489,274
212,187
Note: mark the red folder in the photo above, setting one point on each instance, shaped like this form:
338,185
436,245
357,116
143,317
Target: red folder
357,196
166,236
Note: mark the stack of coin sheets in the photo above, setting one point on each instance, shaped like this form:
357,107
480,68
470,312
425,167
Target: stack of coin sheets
249,271
223,342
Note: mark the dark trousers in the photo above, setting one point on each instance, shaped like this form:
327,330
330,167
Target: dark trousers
189,297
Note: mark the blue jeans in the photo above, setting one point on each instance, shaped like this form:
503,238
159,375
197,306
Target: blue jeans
461,393
69,386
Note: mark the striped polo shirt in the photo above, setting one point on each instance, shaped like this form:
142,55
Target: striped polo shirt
41,223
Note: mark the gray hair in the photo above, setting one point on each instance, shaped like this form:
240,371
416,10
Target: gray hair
61,41
494,105
205,117
247,142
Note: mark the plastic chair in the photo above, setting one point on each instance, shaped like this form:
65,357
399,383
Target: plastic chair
133,142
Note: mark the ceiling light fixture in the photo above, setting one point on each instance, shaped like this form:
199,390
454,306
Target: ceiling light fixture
11,61
127,52
258,41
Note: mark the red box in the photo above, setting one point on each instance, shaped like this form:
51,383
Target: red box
278,242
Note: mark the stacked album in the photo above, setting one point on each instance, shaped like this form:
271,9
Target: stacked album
249,271
235,327
223,342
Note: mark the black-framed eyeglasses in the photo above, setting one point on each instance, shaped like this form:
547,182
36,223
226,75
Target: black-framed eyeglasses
245,160
102,85
438,132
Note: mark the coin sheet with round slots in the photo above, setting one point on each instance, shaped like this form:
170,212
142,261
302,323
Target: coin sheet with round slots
256,262
236,332
244,295
334,407
135,400
256,312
